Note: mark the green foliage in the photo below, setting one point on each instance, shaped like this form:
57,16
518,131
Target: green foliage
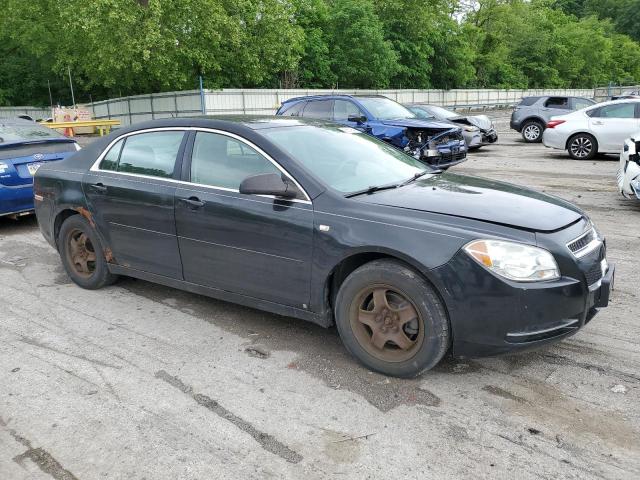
125,47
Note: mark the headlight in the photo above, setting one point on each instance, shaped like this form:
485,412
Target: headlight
515,261
469,128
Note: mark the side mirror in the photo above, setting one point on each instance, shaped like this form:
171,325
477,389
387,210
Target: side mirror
267,184
359,119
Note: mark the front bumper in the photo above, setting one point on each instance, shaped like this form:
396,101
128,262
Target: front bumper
490,315
489,136
628,175
445,155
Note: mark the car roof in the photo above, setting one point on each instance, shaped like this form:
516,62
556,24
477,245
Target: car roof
332,96
232,123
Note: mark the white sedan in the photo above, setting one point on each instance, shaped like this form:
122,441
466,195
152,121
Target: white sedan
600,128
629,172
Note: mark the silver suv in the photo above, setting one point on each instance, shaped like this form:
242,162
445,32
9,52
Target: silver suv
531,115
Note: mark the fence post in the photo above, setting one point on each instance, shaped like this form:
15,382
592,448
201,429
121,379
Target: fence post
203,107
244,104
153,113
129,109
108,109
175,104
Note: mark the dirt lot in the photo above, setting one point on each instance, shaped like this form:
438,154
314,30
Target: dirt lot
142,381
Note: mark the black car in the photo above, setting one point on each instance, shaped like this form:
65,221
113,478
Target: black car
321,222
439,144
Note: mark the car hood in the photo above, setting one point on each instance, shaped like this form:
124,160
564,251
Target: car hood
416,123
481,199
480,121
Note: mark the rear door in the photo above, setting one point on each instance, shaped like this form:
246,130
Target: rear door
131,194
613,124
253,245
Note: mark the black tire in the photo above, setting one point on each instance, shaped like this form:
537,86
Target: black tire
582,146
532,131
426,337
82,254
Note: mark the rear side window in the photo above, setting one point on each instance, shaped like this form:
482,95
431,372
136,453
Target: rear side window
110,160
620,110
319,109
528,101
294,111
222,161
557,102
152,153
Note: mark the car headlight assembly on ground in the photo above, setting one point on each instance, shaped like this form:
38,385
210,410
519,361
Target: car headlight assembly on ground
514,261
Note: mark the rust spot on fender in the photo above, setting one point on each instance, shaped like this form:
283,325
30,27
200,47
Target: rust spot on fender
86,214
108,255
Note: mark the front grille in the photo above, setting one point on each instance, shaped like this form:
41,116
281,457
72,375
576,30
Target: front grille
595,272
581,242
451,157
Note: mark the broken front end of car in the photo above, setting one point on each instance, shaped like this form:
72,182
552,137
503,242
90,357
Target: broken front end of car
438,148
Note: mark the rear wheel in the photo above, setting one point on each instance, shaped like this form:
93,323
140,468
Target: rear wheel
532,131
82,255
391,319
582,146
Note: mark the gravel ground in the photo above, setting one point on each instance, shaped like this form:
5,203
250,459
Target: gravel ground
142,381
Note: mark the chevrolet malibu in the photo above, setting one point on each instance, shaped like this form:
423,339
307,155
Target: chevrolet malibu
327,224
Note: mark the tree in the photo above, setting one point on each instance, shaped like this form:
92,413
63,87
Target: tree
360,55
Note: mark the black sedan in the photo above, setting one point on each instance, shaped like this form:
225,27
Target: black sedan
322,222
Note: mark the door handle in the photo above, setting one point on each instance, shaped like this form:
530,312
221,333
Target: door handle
598,123
98,187
193,202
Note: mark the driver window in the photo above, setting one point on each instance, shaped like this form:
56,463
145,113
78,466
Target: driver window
222,161
343,109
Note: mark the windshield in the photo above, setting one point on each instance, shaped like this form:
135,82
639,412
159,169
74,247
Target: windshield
442,112
384,108
12,131
344,158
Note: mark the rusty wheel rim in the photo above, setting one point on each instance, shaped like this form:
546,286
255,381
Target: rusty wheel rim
81,254
386,323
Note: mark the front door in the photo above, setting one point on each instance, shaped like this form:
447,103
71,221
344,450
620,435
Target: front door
613,124
131,195
253,245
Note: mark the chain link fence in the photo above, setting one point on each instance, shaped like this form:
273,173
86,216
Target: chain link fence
265,101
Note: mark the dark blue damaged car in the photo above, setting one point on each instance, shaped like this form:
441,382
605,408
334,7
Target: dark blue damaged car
437,143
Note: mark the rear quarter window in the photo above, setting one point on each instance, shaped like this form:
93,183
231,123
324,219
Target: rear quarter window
528,101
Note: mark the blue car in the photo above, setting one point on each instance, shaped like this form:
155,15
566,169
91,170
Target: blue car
24,146
437,143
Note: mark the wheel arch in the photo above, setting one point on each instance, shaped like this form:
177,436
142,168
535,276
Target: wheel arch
354,260
533,118
59,219
570,137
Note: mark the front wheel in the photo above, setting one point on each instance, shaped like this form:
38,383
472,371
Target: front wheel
391,319
582,146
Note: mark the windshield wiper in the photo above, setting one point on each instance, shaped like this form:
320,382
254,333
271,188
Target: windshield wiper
372,189
417,176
